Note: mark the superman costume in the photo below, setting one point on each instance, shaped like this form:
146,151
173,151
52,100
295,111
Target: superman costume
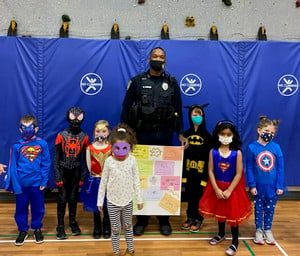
28,170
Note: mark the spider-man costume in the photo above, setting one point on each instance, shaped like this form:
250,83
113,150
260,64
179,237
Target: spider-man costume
70,169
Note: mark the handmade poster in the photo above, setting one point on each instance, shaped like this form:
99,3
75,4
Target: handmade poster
160,169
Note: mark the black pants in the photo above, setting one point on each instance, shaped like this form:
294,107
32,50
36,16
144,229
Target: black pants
194,193
68,194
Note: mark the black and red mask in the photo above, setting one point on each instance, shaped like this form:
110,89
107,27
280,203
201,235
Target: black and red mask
75,116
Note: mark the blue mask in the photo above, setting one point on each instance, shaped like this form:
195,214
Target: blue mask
197,120
27,131
267,136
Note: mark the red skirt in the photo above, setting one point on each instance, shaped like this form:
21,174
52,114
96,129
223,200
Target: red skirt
234,210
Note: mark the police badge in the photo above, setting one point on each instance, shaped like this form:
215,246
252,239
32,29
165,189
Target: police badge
165,86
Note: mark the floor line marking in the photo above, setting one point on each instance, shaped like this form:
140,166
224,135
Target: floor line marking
281,249
140,239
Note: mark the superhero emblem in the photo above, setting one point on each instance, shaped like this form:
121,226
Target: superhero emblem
72,147
100,158
224,166
265,161
31,152
195,140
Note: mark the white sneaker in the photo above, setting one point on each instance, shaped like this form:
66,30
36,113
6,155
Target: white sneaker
269,237
259,237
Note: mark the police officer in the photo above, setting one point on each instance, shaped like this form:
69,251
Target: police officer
152,106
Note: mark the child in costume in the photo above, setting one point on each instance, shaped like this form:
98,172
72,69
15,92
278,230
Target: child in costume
96,154
265,174
27,177
120,179
70,169
195,163
225,197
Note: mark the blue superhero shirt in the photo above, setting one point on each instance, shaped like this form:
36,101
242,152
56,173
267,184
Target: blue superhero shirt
265,168
29,165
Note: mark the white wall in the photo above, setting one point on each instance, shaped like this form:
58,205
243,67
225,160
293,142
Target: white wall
94,18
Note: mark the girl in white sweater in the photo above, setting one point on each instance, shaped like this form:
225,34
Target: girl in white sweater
120,179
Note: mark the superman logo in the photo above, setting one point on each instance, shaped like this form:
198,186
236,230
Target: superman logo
31,152
224,166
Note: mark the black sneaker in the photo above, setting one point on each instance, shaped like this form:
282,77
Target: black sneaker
97,233
75,229
21,238
106,233
38,236
189,222
195,226
60,233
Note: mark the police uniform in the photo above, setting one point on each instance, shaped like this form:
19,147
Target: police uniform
152,107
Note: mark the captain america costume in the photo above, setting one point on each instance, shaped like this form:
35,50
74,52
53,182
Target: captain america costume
265,172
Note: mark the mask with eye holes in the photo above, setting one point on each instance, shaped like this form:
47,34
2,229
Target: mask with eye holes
28,131
75,116
121,149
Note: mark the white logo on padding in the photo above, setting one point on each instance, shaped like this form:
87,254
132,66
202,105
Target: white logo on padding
91,84
190,84
287,85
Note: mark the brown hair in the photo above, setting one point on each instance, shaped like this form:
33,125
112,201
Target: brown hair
264,121
123,132
28,119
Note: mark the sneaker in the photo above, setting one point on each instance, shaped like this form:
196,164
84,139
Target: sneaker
38,236
187,224
106,233
60,233
97,233
269,237
75,229
196,226
21,238
259,237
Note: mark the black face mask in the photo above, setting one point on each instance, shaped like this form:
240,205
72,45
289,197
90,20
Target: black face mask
157,65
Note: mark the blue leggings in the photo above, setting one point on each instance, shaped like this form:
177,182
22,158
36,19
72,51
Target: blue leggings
35,197
264,211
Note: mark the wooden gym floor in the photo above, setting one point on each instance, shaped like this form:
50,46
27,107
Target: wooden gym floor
286,230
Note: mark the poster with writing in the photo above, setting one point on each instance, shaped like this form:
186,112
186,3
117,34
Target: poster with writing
160,169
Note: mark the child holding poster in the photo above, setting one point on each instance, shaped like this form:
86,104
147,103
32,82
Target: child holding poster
120,178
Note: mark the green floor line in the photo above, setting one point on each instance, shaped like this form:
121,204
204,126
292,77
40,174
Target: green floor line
248,247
